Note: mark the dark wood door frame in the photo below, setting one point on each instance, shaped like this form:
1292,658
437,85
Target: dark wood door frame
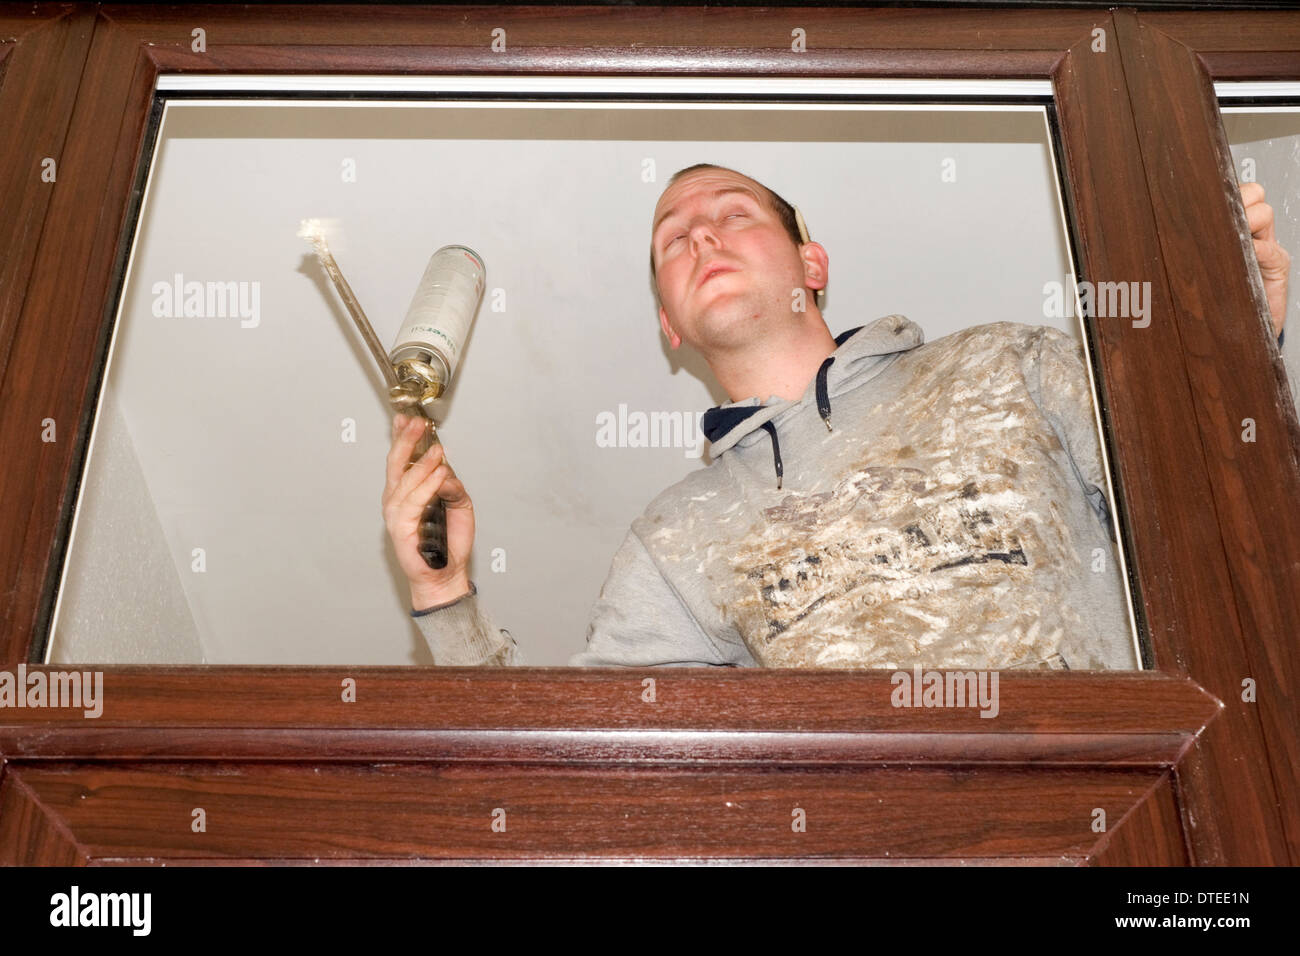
577,763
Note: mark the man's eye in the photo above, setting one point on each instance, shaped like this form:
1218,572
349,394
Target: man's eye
675,238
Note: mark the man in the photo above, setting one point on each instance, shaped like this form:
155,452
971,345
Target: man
891,503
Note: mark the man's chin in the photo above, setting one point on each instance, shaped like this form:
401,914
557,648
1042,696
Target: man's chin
727,328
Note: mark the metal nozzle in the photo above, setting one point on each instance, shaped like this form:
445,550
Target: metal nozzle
314,231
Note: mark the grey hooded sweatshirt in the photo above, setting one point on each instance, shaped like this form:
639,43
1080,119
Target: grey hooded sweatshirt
938,504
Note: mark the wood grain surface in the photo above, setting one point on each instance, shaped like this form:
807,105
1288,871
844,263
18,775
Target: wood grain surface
1185,770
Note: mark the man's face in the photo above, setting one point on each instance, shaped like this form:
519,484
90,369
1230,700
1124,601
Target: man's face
720,220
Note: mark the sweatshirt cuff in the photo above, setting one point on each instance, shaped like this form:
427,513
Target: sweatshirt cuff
462,634
438,607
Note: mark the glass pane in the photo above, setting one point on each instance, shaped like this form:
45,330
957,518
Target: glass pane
942,501
1265,142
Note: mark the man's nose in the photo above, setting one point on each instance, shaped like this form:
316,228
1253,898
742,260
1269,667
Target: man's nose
702,232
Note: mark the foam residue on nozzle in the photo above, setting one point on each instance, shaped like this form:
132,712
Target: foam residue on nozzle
319,231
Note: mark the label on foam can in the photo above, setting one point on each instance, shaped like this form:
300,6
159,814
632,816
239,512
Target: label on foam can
444,306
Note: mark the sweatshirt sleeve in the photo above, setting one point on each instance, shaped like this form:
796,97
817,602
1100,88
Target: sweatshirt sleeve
639,620
1059,384
461,633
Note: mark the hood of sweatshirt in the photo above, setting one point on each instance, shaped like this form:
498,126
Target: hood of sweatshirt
861,353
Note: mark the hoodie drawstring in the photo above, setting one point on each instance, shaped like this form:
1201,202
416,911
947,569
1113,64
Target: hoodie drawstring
718,421
776,453
823,398
823,408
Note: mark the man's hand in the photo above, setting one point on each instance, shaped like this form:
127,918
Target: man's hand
408,489
1274,261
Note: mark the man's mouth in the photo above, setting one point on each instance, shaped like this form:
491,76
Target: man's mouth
714,270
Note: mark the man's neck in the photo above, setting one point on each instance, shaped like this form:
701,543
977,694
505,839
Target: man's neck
781,367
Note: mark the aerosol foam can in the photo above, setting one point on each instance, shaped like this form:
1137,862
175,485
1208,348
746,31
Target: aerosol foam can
425,357
438,322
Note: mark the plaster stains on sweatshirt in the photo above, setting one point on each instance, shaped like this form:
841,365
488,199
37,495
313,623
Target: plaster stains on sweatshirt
942,544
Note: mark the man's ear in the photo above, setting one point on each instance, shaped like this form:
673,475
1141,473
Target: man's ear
673,338
816,265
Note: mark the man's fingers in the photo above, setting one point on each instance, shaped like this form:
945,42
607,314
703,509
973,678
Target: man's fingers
446,485
453,493
416,477
1274,261
1259,216
419,471
400,452
1251,193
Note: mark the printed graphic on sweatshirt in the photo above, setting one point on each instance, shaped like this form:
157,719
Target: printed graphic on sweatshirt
943,544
